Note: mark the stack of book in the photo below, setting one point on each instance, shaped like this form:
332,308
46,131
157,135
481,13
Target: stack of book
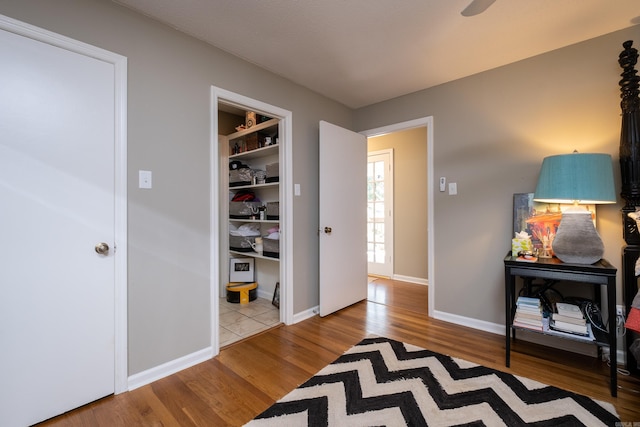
569,318
528,313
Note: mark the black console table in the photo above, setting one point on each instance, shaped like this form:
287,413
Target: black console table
600,273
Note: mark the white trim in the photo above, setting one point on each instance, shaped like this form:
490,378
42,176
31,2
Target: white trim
494,328
307,314
285,133
410,279
410,124
169,368
120,186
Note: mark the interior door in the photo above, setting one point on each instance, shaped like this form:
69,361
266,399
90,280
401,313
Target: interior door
380,213
57,190
343,216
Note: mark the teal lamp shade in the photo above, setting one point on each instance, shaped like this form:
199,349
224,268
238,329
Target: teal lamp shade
576,178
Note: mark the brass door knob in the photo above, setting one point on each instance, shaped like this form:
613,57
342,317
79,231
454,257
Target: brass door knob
102,248
327,230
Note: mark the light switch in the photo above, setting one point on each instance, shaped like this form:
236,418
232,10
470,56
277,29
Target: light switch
453,188
144,179
296,189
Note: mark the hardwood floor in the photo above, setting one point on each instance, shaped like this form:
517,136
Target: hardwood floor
249,376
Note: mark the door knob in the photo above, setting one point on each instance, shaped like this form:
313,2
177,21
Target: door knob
102,248
327,230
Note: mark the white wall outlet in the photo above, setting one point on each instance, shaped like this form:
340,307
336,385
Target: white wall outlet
453,188
144,179
443,183
620,310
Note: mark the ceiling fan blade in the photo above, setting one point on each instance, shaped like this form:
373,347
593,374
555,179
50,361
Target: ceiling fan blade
476,7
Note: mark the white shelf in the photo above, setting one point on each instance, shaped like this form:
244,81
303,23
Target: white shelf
265,221
257,153
253,255
268,184
252,129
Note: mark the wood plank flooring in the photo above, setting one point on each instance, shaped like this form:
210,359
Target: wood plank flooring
248,376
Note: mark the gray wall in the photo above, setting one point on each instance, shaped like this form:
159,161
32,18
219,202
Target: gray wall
169,80
491,132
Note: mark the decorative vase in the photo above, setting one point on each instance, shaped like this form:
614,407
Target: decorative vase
577,241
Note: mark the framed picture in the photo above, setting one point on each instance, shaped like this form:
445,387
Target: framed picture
540,220
241,270
276,296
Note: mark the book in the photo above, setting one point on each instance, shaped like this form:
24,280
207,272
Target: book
527,326
568,319
528,301
569,327
586,338
525,315
535,322
527,309
570,310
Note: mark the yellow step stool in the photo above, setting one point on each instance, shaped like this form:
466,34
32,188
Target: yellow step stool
240,292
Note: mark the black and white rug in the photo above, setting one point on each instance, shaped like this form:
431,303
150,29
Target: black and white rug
382,382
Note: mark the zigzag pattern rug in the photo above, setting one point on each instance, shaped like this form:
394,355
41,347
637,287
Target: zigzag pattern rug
382,382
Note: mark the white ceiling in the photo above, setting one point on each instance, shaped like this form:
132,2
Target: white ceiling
360,52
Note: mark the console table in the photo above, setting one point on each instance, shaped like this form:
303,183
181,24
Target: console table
600,273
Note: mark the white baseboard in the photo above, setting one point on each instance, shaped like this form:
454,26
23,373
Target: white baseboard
304,315
499,329
494,328
169,368
416,280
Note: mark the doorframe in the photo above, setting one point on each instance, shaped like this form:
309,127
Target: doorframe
119,63
219,95
388,199
411,124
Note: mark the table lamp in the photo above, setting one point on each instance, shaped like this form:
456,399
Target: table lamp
578,179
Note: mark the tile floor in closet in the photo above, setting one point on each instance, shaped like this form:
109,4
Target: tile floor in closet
238,321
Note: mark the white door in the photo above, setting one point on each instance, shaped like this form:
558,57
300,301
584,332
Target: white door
57,203
343,231
380,212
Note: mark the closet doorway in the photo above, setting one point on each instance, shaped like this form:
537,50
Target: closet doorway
240,128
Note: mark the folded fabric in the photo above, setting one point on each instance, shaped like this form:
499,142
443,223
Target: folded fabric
246,230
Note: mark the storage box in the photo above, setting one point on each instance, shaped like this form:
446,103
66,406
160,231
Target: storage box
242,292
273,172
242,176
271,247
273,210
241,270
241,243
243,209
254,141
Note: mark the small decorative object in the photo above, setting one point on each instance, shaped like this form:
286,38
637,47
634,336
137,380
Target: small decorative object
581,179
276,296
250,119
521,243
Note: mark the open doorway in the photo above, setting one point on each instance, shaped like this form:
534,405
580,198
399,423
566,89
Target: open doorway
260,286
403,248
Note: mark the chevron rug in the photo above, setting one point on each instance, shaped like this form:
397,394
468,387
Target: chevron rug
382,382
